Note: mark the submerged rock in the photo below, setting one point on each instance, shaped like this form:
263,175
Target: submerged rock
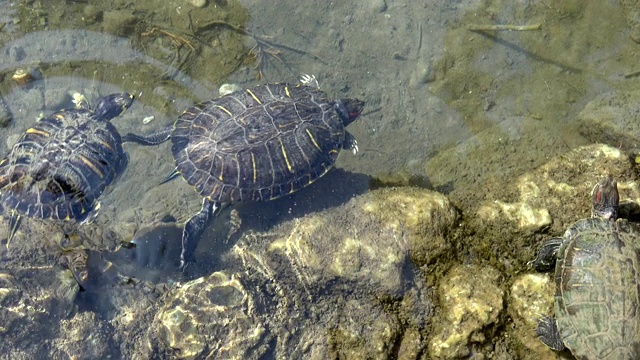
531,296
315,287
538,205
631,10
552,195
612,118
472,300
32,304
213,317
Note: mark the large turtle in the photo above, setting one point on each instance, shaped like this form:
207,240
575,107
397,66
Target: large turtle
597,301
59,167
255,144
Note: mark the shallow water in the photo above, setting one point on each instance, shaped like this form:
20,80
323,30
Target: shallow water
448,108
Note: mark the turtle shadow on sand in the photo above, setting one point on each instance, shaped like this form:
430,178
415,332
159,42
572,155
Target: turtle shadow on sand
157,249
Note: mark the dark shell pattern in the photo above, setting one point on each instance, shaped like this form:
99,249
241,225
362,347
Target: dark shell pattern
257,144
597,289
60,166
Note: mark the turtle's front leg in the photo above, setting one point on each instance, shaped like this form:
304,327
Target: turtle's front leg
547,255
350,143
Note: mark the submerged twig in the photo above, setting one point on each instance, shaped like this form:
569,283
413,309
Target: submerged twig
632,74
259,39
262,44
506,27
176,39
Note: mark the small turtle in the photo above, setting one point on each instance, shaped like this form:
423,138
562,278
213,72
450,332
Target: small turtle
597,300
256,144
59,167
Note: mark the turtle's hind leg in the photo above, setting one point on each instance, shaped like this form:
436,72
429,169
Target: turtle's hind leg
547,331
14,223
155,138
174,174
193,229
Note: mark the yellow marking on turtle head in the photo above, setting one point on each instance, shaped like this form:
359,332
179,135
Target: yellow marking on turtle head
92,166
225,109
254,96
37,131
286,91
286,158
313,140
253,162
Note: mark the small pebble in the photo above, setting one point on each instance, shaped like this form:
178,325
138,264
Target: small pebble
378,6
12,139
5,114
197,3
90,14
423,73
17,53
227,89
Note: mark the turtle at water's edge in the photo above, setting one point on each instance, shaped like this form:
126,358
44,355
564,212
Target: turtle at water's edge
597,300
61,165
255,144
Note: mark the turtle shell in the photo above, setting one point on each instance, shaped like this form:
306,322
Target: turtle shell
257,144
59,167
597,301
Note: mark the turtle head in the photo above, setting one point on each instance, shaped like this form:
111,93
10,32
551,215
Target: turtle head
605,199
113,105
348,109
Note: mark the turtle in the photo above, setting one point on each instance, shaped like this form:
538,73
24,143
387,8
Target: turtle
59,167
255,144
597,296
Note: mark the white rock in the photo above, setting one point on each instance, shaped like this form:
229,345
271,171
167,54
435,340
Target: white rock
198,3
227,89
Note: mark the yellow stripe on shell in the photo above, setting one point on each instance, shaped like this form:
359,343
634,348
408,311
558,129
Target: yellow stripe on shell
313,140
253,162
254,97
107,145
221,170
92,166
36,131
225,109
286,158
